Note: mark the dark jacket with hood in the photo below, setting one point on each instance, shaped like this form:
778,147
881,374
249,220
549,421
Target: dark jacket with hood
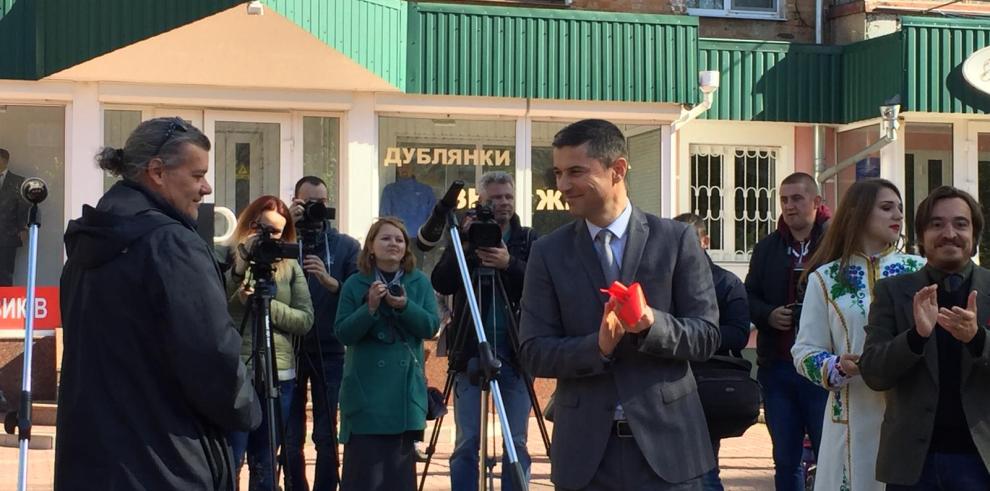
151,372
339,253
446,280
772,282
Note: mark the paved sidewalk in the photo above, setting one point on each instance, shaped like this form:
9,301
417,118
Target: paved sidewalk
746,463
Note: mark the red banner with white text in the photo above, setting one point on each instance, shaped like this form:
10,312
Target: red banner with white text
14,308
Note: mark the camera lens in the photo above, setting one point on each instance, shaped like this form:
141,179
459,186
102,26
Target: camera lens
395,290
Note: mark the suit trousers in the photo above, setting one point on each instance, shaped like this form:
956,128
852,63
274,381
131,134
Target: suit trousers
624,468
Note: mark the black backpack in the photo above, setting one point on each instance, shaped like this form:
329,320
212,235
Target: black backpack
729,396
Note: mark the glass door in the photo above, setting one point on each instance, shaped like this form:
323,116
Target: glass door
928,164
250,157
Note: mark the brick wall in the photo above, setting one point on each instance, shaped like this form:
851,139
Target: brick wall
42,375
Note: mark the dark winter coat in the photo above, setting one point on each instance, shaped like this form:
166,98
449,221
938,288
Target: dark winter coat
151,372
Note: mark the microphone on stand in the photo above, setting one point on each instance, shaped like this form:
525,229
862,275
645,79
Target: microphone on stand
431,232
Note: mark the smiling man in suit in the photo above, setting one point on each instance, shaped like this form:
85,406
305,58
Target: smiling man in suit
926,346
13,219
627,414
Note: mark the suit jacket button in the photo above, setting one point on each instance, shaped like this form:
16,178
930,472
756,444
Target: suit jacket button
381,363
380,336
403,363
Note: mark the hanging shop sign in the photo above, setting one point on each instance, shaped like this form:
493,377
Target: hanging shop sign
976,70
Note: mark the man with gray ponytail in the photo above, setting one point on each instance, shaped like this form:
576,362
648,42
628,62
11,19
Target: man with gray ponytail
151,373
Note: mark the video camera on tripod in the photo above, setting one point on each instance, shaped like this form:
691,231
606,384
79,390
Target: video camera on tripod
265,250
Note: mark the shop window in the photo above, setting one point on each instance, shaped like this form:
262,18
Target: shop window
983,180
321,153
734,190
549,209
752,9
117,126
927,165
34,136
419,158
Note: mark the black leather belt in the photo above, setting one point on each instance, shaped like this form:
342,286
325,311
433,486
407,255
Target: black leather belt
621,428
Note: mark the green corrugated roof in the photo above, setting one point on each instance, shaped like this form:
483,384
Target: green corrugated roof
872,73
370,32
933,52
551,54
774,81
458,49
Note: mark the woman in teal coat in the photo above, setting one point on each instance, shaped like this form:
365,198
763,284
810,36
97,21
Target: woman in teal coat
385,313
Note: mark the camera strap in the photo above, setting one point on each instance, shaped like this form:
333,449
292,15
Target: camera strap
396,280
329,256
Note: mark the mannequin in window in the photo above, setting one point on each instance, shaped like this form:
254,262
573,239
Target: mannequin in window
407,199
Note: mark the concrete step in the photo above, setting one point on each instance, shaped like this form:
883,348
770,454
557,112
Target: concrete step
43,413
42,438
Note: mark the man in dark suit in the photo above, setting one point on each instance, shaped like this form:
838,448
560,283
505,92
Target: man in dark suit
627,413
926,346
13,219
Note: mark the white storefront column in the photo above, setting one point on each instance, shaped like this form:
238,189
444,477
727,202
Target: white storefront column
83,138
892,160
359,173
668,174
965,157
524,170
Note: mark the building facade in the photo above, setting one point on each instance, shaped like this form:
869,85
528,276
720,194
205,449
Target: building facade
371,93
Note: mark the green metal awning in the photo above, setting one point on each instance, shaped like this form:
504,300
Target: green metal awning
921,64
551,54
471,50
774,81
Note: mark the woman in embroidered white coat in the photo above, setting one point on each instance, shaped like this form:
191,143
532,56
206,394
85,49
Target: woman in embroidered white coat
857,251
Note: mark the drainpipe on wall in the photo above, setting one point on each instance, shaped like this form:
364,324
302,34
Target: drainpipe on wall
888,128
708,81
819,130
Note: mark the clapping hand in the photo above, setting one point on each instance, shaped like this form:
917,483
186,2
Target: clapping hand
959,322
925,307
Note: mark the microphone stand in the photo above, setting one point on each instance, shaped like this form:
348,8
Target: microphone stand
35,191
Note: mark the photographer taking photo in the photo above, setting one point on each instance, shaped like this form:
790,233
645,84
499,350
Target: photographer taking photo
496,192
329,258
291,315
386,311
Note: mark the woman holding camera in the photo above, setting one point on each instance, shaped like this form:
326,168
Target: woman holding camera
291,316
386,311
859,248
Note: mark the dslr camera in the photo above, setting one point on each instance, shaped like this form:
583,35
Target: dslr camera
310,226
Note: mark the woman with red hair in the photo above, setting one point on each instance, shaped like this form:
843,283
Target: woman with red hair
291,316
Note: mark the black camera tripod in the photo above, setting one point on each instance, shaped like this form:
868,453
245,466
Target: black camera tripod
483,373
263,350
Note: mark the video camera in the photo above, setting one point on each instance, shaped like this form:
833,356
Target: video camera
266,251
311,225
483,231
